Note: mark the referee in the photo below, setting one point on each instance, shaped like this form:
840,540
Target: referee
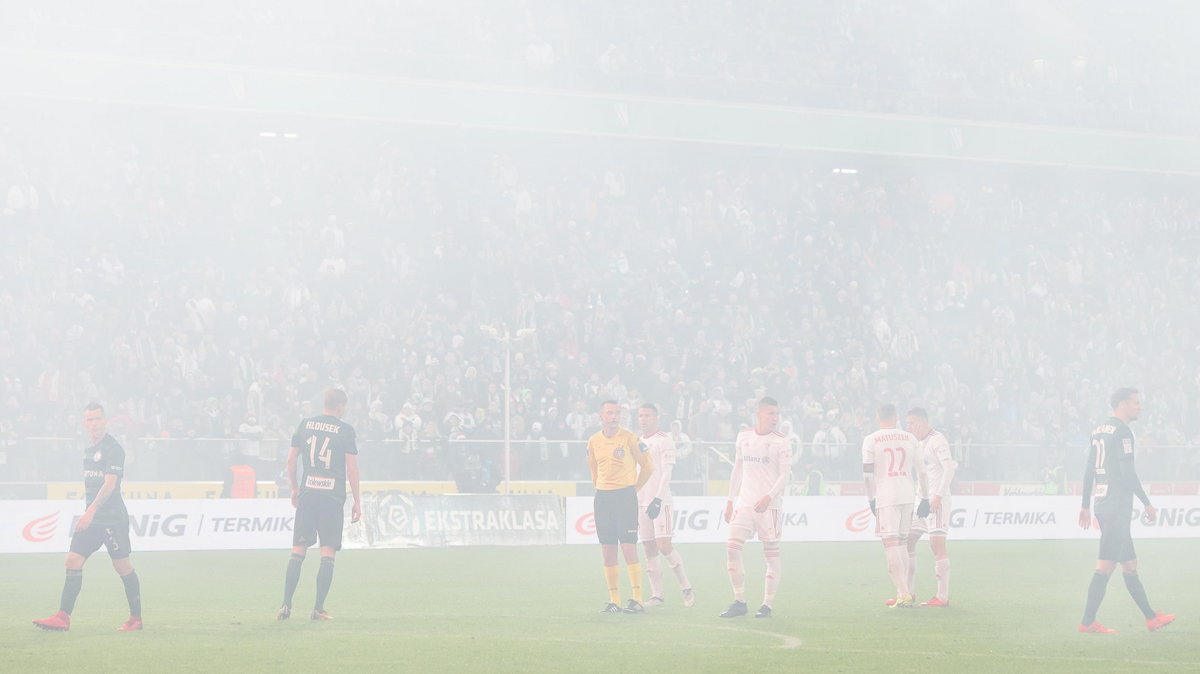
614,457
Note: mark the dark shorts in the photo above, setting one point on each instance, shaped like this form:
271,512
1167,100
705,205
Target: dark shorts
616,516
114,537
318,517
1116,540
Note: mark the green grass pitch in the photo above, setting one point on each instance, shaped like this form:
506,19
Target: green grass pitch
1015,606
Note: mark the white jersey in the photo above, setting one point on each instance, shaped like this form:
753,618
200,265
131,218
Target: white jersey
662,457
896,456
762,466
939,465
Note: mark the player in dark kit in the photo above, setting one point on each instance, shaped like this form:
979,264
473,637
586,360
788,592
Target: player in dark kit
105,522
325,446
1110,473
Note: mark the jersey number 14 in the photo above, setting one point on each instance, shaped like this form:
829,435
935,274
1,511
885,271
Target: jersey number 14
324,454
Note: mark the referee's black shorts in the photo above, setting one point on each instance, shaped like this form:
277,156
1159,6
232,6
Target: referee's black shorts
1116,539
318,517
616,516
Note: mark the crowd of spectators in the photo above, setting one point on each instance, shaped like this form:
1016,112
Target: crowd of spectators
211,284
1102,64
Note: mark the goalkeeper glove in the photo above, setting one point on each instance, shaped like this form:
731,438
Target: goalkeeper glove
923,508
654,508
872,502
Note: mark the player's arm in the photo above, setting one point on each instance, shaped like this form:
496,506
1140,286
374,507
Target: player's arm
645,464
783,459
922,475
663,471
941,453
106,490
868,458
293,489
1089,481
591,456
355,489
1135,484
735,483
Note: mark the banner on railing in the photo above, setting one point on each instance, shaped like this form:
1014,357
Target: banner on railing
700,519
390,519
396,519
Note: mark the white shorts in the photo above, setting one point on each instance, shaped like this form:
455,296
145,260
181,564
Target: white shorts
894,521
662,526
768,525
938,521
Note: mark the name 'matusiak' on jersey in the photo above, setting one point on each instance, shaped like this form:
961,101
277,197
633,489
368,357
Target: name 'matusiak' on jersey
1110,466
763,465
323,442
662,456
106,457
894,454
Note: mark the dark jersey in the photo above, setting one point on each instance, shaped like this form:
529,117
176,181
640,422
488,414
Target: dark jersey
324,441
105,458
1110,469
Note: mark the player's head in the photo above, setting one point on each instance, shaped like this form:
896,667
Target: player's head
1126,403
648,418
95,421
610,416
768,415
918,422
335,402
886,416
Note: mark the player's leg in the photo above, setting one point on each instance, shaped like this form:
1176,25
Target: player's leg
330,524
894,525
304,534
770,529
653,565
627,534
118,551
911,544
664,532
1109,551
1129,569
83,544
941,568
741,527
606,534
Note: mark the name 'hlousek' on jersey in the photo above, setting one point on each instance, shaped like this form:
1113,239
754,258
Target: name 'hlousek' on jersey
323,443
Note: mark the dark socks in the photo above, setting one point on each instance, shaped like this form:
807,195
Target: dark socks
292,579
324,580
1134,585
1095,595
133,593
71,587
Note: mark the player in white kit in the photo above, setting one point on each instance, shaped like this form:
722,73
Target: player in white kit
940,467
890,457
761,471
656,516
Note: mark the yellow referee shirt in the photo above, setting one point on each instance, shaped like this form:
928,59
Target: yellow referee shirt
614,460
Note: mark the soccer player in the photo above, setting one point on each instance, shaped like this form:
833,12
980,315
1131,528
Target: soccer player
620,467
656,517
1111,477
761,469
939,467
105,522
890,457
325,444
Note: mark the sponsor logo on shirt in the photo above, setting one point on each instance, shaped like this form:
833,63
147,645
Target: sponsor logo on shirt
317,482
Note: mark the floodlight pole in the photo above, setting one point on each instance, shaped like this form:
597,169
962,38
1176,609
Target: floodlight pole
507,340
